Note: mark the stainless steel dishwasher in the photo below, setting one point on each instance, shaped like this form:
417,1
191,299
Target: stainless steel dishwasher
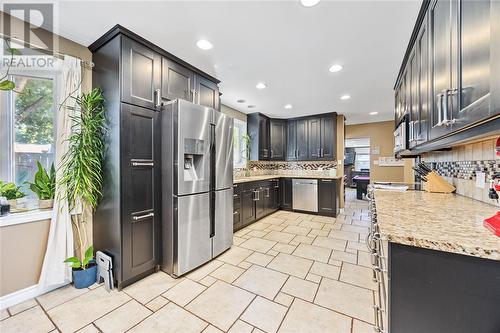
305,194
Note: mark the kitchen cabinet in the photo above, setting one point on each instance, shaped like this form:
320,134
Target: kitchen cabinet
328,198
442,76
176,81
470,98
141,75
260,201
300,139
314,138
271,196
134,78
450,76
258,130
277,130
421,118
296,140
237,217
247,206
322,138
286,196
328,138
207,92
435,291
140,181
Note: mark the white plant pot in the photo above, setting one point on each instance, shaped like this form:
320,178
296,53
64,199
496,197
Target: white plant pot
46,204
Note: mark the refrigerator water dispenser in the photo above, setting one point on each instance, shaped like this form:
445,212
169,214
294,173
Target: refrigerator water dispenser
194,159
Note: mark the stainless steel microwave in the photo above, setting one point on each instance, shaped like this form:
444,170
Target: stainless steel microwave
401,137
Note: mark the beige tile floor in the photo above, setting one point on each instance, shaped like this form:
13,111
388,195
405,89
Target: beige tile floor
289,272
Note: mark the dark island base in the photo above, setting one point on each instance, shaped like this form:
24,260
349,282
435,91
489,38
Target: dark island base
439,292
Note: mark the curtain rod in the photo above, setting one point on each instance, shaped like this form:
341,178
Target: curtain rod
85,63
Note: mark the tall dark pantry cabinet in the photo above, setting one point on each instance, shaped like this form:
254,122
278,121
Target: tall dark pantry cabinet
136,76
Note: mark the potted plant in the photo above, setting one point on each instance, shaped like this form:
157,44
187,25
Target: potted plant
86,267
81,179
12,193
44,186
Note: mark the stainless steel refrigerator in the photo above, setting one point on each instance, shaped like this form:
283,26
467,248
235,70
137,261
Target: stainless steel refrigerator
197,185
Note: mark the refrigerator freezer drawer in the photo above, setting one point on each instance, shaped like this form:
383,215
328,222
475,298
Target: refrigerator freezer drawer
192,242
223,238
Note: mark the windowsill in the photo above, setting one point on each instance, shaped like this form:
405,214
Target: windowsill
25,217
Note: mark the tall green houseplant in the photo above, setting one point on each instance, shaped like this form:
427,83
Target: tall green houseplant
82,165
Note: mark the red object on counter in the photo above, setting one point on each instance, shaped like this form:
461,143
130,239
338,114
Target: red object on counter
493,223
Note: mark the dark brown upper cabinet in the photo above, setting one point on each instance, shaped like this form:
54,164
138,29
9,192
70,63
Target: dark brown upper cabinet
176,81
322,137
258,130
299,139
207,93
448,85
296,140
474,74
141,75
277,131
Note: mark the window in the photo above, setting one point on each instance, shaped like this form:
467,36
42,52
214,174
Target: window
239,149
27,125
359,147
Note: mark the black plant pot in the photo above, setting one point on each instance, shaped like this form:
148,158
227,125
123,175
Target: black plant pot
84,278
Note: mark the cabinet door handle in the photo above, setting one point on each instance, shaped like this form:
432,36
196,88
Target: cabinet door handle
272,153
326,180
446,121
268,194
296,153
319,152
142,164
157,98
322,153
439,110
193,95
142,217
256,196
234,213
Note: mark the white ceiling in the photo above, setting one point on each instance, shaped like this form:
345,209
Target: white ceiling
281,43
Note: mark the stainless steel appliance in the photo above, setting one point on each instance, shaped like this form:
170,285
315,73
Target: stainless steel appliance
305,194
401,137
197,180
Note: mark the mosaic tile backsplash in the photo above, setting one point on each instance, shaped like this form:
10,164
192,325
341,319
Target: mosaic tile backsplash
316,168
460,165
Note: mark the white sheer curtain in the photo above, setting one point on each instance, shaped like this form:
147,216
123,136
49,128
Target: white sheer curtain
60,243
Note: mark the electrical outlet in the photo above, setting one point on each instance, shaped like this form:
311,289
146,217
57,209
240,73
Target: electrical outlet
480,179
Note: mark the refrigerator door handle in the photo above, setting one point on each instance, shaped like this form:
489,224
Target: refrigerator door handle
212,180
212,214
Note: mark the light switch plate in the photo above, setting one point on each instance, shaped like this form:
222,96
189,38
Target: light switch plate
480,179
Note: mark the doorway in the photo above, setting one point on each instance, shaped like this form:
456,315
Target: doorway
356,160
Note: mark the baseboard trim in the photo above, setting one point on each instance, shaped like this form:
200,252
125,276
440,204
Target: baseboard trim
25,294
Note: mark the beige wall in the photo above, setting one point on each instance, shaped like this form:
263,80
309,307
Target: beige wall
233,113
22,248
381,134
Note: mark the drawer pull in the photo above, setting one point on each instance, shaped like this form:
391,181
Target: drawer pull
142,164
142,217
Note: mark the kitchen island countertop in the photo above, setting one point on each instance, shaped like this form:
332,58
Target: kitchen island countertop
444,222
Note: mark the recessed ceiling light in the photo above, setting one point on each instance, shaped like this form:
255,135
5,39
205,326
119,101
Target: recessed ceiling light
241,101
261,85
204,44
344,97
309,3
373,113
251,106
335,68
288,106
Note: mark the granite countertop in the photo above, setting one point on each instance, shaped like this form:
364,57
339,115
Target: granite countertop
257,178
444,222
